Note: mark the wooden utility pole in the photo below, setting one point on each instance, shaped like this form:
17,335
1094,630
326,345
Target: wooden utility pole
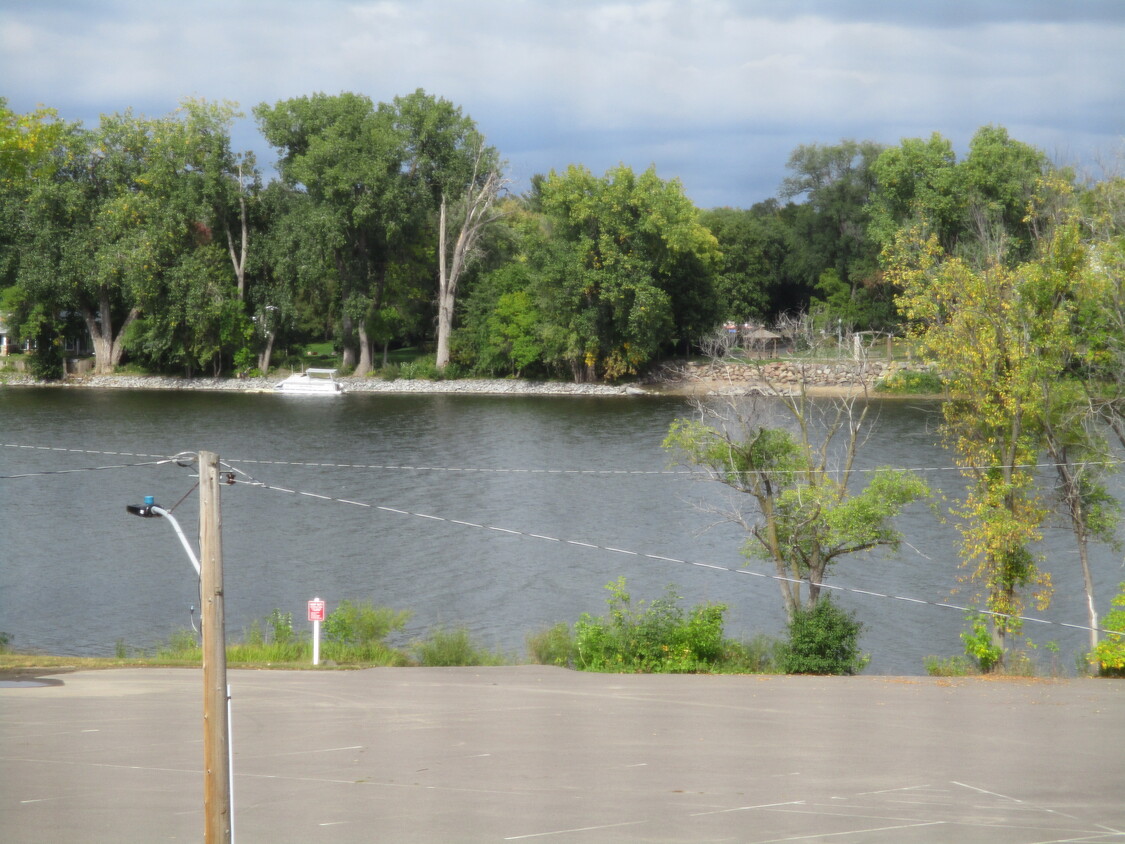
216,729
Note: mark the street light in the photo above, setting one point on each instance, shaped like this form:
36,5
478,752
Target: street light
150,509
218,780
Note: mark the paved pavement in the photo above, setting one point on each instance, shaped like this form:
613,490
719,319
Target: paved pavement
532,753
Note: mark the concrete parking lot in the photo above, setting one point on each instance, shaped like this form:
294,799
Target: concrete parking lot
532,753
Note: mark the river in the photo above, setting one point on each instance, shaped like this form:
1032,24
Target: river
579,488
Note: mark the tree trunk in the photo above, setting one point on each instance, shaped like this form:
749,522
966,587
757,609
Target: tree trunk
447,288
479,198
108,348
363,366
1088,582
266,353
238,259
347,340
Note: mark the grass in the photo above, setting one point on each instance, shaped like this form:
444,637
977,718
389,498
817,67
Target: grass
360,632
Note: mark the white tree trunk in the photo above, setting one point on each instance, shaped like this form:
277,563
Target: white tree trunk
474,217
238,259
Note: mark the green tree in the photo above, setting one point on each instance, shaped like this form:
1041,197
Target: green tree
112,229
830,237
918,183
458,178
196,316
348,157
972,324
751,279
978,209
823,639
619,265
27,143
1003,180
1011,342
807,513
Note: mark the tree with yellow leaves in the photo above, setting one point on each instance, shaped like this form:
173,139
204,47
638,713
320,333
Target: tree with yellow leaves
1009,339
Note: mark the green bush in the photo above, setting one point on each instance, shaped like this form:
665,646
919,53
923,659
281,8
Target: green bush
760,655
552,646
823,640
979,645
423,368
446,648
659,638
358,633
390,372
46,363
909,382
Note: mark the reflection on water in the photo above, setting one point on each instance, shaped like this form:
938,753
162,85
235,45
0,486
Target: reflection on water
81,576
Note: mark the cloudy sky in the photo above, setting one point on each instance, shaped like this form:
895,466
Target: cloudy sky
716,93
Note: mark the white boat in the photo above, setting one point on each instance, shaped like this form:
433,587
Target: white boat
312,382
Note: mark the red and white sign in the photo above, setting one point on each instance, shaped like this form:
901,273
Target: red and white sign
316,610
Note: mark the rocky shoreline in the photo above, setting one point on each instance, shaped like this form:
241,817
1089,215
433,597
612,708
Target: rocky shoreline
835,378
351,385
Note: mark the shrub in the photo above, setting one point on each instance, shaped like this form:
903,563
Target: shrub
390,372
760,655
823,640
46,363
658,638
454,647
910,382
358,632
552,646
423,368
979,645
282,626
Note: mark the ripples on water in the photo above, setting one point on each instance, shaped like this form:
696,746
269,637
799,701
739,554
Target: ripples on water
79,574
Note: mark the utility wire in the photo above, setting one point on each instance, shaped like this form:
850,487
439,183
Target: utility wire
185,459
83,469
661,558
486,470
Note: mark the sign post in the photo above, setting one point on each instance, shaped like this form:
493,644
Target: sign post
316,615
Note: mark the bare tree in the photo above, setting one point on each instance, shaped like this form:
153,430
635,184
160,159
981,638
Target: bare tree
474,212
238,254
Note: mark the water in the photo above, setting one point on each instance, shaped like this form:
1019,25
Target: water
79,575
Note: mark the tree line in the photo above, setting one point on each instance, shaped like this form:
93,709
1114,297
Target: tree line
391,224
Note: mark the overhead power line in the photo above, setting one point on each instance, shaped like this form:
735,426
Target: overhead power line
658,557
512,470
184,459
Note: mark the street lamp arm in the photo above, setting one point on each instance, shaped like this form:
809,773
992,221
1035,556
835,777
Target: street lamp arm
160,511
